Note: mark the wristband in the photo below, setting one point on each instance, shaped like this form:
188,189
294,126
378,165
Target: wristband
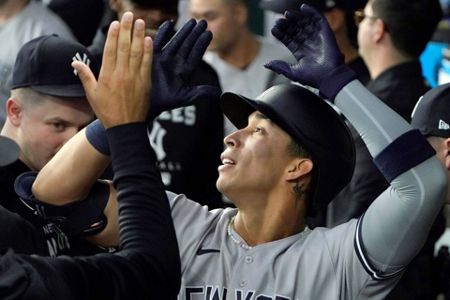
96,135
404,153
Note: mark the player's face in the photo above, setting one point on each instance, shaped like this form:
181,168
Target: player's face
222,20
153,17
43,129
367,34
254,161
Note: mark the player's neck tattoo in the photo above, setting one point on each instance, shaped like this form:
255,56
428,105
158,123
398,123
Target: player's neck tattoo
233,238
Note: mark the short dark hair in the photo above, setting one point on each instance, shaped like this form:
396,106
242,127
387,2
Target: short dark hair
411,23
169,6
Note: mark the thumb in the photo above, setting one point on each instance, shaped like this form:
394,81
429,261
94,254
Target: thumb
86,76
279,67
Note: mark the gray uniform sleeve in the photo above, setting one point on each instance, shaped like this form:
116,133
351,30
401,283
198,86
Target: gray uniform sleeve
397,223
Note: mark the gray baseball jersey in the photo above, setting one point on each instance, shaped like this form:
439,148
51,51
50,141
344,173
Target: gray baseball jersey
309,265
361,259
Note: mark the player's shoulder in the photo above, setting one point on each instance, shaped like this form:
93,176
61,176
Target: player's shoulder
343,233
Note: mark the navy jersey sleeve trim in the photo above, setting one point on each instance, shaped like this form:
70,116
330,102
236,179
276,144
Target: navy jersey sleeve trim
404,153
361,253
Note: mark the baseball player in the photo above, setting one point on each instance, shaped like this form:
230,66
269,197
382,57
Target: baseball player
289,157
144,215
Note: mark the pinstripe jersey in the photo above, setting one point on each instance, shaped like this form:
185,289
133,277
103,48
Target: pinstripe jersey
314,264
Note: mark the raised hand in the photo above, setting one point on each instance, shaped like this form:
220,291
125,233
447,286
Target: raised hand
121,93
306,33
175,58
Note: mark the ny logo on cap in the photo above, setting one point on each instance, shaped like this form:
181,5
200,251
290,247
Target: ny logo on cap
443,125
85,59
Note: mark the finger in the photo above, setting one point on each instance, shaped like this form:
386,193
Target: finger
309,11
279,29
110,49
147,59
165,33
198,50
137,46
295,15
124,41
87,78
279,67
191,40
177,40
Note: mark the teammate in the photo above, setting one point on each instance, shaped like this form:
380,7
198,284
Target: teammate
46,108
290,156
138,271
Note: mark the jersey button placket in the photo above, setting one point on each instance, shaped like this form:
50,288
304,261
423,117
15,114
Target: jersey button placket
248,259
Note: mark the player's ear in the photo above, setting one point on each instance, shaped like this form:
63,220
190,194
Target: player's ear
447,153
379,30
299,168
14,111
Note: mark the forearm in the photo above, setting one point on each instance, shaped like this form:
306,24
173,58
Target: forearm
145,215
73,170
370,117
400,218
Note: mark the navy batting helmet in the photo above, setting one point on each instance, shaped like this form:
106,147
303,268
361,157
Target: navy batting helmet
313,124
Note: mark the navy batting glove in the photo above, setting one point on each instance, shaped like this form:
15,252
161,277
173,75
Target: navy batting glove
175,57
320,64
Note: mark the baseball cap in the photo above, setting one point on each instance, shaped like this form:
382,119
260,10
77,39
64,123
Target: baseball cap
313,124
280,6
9,151
431,115
44,65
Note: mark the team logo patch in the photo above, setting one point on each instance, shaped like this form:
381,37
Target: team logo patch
443,125
84,59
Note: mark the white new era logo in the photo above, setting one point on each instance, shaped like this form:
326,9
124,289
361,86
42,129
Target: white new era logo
443,125
85,59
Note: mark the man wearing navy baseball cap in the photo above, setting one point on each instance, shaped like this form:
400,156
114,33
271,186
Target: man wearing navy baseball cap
46,108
